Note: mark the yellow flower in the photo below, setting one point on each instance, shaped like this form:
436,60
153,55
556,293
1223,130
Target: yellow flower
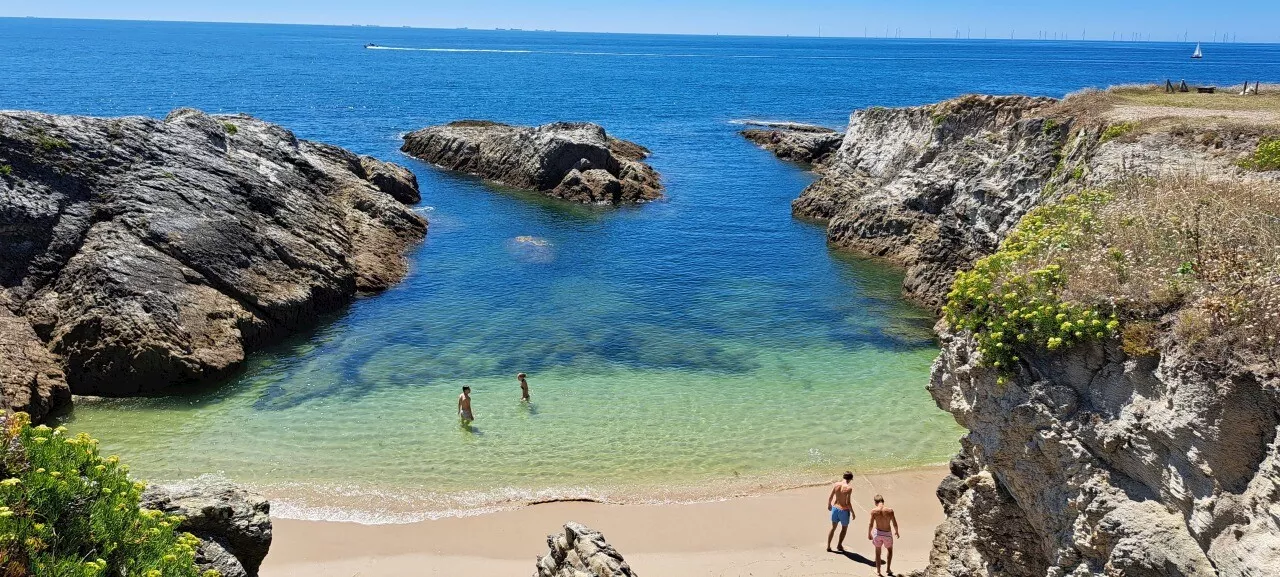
40,470
11,481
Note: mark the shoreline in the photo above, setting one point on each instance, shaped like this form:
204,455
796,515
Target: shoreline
772,533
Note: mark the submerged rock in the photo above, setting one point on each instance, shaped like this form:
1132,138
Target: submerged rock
580,551
144,253
572,161
233,525
803,143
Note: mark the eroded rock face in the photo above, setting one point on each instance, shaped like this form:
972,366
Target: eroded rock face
934,187
579,551
1155,466
572,161
806,144
143,253
233,525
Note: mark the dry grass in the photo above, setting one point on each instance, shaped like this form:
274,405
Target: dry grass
1203,256
1133,102
1226,98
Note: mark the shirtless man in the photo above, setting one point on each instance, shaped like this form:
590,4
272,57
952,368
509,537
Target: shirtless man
838,502
878,532
464,406
524,387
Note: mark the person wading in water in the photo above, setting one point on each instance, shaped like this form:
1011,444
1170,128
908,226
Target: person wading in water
841,507
524,387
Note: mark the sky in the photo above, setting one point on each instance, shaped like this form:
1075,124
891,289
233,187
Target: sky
1242,21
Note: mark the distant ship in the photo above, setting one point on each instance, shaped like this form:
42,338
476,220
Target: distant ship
372,45
1197,54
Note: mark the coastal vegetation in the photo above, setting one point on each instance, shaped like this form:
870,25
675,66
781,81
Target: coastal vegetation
1199,259
1265,157
229,128
69,512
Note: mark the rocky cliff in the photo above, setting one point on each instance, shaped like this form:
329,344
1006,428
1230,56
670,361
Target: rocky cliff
137,253
578,162
1138,454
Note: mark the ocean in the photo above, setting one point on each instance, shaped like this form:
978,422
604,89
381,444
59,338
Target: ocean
704,345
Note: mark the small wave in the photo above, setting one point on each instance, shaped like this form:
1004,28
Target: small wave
778,124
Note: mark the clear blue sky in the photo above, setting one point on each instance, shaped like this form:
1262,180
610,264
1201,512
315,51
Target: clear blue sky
1253,21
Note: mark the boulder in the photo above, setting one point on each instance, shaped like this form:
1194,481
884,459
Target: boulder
143,253
233,525
579,551
802,143
578,162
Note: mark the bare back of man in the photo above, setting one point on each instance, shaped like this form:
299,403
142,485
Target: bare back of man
840,504
881,530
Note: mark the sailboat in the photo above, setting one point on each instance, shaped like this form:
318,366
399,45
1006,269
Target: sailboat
1197,54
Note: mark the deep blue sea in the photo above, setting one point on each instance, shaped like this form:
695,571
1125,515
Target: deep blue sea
706,340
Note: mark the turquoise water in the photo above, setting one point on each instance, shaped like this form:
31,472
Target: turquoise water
705,343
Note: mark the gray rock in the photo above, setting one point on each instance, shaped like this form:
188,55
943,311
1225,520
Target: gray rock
233,525
571,161
1155,466
143,253
579,551
806,144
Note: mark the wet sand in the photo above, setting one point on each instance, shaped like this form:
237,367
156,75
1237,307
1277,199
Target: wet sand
775,534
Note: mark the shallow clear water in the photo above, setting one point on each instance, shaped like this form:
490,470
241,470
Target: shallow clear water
709,342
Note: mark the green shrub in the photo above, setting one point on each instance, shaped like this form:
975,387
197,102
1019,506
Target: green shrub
1117,130
1266,157
51,143
6,169
68,512
1050,125
230,128
1012,299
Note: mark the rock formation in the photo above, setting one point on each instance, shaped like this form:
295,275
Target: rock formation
803,143
1097,463
141,253
571,161
1088,461
579,551
233,525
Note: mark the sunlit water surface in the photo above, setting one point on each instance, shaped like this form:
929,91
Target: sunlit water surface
703,345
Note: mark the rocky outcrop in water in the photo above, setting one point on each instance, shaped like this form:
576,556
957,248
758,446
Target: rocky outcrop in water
233,525
578,162
141,253
579,551
934,188
803,143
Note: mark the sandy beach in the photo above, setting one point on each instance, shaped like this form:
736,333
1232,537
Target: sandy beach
776,534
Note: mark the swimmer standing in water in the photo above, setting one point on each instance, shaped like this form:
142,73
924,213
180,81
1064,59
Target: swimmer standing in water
524,387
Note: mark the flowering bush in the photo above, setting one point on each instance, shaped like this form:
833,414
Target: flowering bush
69,512
1265,157
1182,258
1013,298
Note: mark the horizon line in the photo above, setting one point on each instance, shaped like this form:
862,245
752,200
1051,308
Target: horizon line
685,34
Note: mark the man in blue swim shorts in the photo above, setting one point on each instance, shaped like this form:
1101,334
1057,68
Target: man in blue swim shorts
840,503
